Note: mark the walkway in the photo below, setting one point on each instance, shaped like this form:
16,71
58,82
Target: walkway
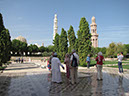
30,80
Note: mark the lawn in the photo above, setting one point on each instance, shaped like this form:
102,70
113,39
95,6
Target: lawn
124,66
93,62
109,62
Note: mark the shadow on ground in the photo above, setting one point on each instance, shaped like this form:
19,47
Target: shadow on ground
39,84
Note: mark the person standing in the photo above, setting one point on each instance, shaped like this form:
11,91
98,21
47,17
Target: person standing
19,60
67,62
99,64
88,61
22,60
120,58
74,66
56,74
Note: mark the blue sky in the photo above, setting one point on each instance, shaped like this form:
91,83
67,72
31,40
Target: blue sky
33,19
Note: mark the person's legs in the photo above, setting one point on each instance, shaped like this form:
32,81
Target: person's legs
88,64
72,75
119,67
75,75
68,72
101,72
98,72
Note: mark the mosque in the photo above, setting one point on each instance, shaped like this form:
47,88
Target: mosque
20,38
93,26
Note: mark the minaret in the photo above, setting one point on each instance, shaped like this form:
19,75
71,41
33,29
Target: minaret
42,44
94,37
55,26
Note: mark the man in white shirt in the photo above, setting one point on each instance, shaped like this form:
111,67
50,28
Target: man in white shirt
120,57
74,69
56,74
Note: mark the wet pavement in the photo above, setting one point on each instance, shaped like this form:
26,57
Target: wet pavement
30,80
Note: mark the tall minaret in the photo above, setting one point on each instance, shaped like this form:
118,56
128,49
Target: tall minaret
94,37
55,26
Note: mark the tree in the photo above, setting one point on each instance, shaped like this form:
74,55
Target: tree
121,48
63,44
76,45
7,46
15,45
42,49
5,43
111,50
71,39
126,46
19,46
33,48
84,40
56,43
50,48
103,50
1,23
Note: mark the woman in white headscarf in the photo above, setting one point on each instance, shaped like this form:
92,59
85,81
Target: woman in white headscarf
56,74
99,64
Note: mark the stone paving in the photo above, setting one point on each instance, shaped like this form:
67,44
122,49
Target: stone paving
30,80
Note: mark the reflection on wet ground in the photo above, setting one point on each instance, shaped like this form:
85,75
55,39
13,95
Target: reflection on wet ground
39,84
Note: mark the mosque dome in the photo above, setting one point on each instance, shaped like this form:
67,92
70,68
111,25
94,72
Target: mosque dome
20,38
93,19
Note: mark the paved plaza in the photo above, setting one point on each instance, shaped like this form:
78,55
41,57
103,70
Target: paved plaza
30,80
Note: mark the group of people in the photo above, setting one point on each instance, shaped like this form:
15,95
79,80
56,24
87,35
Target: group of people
19,60
72,62
99,63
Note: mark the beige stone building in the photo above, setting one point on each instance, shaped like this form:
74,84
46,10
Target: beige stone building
20,38
94,38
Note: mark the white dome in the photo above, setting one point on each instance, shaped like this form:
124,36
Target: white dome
20,38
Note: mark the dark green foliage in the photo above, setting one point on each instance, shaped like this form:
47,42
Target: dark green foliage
33,49
56,43
50,48
103,50
42,49
120,48
84,42
111,50
44,54
94,51
71,39
126,46
1,23
19,46
76,45
5,43
63,44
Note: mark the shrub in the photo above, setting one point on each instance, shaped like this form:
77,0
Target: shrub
44,54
